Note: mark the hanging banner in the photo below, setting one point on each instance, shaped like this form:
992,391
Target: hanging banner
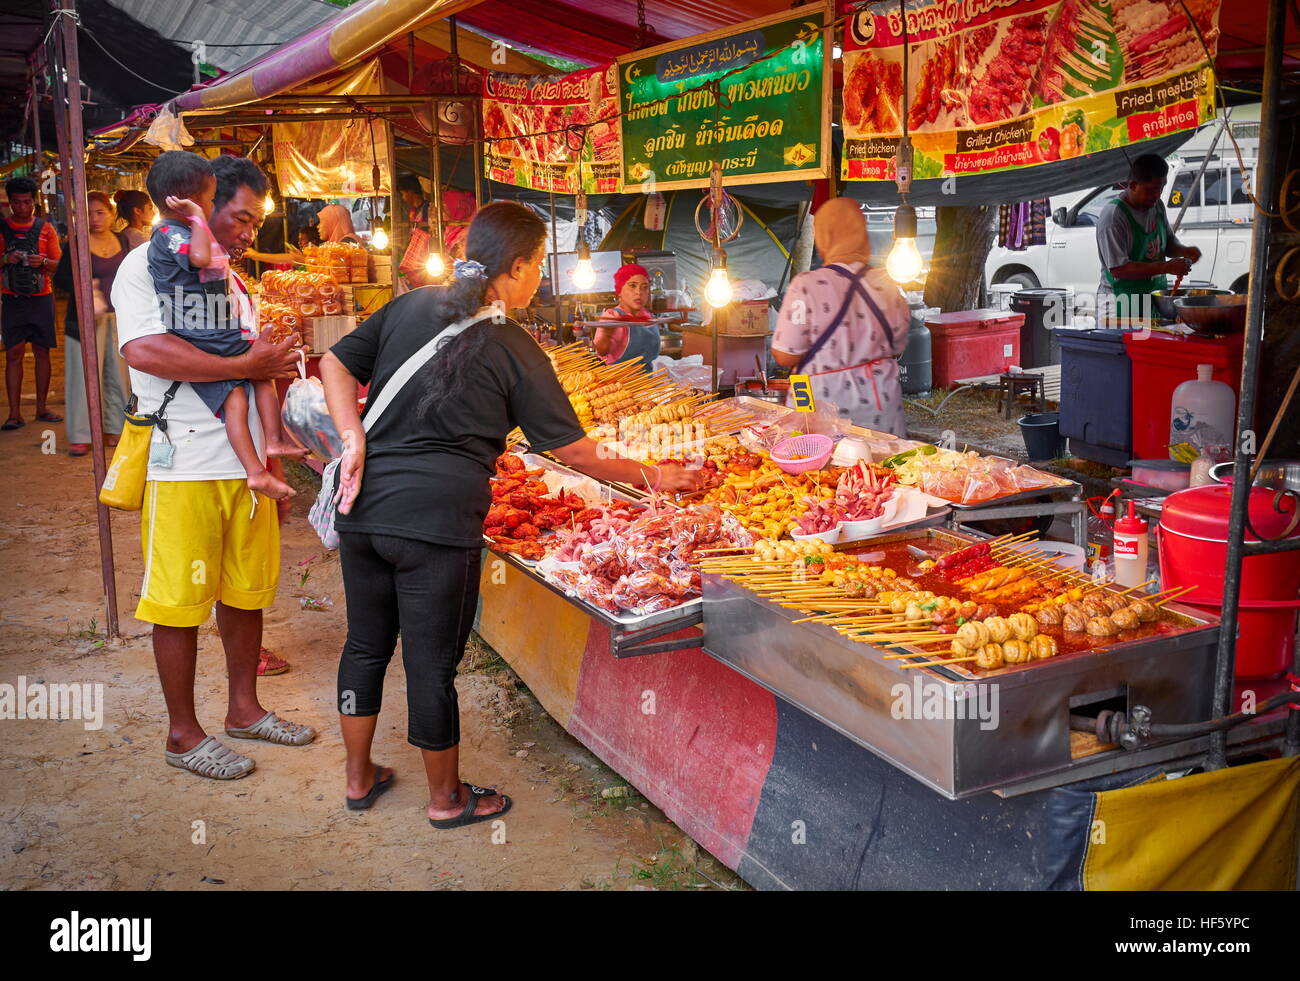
773,120
535,127
999,84
334,158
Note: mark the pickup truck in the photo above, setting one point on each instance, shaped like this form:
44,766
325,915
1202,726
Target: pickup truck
1217,221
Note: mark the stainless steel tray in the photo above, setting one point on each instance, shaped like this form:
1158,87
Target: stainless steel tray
1052,490
852,688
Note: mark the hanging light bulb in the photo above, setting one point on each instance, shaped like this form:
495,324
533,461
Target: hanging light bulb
268,206
434,265
584,275
904,261
380,239
718,289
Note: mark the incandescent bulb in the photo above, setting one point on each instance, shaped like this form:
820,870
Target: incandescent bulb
268,206
156,218
718,289
435,266
584,276
380,239
904,261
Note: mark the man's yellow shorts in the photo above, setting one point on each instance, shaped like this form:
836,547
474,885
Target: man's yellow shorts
205,542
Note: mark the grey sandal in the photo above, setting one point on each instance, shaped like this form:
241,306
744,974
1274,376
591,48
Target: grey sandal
274,729
213,760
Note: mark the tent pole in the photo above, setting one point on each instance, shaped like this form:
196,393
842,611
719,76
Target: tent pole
67,118
1266,185
435,169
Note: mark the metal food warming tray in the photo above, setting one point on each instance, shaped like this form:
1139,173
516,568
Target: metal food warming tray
940,725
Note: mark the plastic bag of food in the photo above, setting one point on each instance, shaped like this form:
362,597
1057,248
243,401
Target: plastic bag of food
1027,478
979,485
306,418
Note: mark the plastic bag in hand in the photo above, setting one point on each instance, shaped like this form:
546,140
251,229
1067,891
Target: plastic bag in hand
307,419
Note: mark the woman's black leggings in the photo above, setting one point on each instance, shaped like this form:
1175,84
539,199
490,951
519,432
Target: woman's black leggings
428,594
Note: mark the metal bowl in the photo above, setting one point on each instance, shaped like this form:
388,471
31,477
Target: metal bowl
1275,475
1213,315
1164,299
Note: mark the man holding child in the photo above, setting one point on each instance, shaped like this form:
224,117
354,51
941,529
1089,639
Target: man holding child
209,539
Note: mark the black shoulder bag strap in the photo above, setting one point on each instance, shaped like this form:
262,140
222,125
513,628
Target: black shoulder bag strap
158,415
855,289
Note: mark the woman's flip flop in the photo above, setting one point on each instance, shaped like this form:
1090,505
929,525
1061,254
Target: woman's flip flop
376,791
467,816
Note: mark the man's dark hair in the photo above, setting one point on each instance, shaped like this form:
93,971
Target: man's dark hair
409,182
232,173
1148,167
20,185
176,173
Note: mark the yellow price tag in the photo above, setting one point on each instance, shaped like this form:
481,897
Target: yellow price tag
801,394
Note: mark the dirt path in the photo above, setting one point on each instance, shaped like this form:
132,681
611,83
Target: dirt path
95,809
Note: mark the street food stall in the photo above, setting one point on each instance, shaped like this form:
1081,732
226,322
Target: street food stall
813,665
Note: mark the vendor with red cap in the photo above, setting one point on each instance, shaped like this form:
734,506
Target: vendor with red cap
629,341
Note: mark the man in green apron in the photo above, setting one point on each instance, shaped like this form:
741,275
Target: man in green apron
1137,247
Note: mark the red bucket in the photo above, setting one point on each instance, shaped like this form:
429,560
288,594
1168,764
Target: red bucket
1194,552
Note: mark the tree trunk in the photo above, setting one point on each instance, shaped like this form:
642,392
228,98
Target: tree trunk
961,247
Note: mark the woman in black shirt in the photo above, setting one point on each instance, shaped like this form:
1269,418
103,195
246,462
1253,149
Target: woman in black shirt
410,533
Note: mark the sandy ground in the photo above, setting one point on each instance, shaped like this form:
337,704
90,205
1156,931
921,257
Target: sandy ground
98,809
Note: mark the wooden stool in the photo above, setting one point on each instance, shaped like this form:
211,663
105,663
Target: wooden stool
1012,386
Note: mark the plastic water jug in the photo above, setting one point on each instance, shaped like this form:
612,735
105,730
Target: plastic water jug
1202,413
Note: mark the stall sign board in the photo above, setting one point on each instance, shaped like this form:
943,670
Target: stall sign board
553,132
773,120
801,396
994,85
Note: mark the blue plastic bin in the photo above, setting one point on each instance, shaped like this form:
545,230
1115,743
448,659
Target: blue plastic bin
1096,395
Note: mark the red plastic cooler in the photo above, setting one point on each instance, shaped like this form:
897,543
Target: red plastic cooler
1162,362
970,343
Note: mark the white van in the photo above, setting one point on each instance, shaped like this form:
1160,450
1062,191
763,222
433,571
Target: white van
1216,218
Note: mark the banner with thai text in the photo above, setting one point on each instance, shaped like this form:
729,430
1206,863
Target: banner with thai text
755,98
553,132
999,84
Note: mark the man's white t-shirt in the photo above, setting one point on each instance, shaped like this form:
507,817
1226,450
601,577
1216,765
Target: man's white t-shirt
202,450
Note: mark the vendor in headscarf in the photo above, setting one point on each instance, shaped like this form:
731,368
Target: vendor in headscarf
628,342
844,324
335,224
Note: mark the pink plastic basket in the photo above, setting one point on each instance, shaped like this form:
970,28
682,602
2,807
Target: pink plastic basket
813,449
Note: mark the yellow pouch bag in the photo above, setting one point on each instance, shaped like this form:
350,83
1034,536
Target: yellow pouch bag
123,486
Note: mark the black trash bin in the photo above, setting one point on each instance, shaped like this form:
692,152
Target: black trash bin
1046,311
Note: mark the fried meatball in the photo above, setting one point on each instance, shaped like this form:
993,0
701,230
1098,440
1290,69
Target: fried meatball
999,629
989,656
959,649
853,588
1102,626
1146,612
1022,626
869,590
967,608
973,634
1049,616
1093,608
899,604
1074,606
1015,651
1125,619
1043,647
914,613
1076,621
1113,601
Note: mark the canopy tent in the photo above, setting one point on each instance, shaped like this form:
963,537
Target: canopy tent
760,251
